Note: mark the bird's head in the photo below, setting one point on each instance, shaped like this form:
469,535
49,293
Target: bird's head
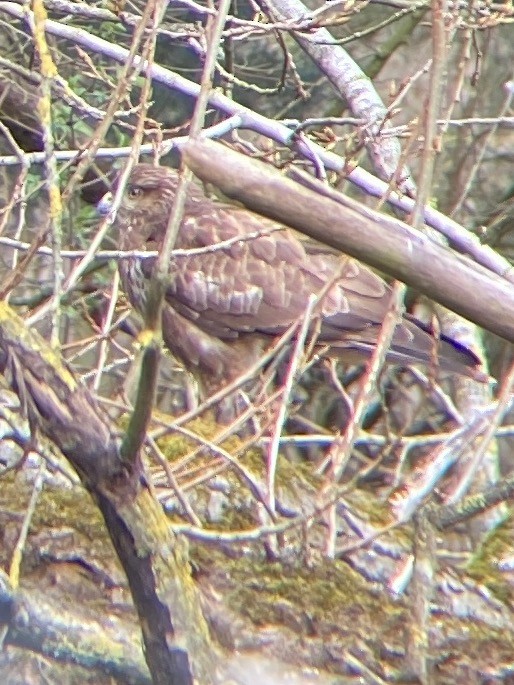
145,205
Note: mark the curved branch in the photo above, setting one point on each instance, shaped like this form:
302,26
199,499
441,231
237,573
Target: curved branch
351,82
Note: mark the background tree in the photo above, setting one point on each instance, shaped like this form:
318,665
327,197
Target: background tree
347,472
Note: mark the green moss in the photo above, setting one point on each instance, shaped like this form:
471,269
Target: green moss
176,445
290,478
374,510
57,508
234,518
73,508
483,567
331,592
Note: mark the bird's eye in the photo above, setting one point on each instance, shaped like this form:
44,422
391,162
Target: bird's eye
134,191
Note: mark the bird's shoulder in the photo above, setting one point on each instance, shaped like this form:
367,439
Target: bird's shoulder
239,232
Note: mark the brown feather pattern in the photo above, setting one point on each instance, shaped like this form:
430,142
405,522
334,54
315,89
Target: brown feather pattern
224,306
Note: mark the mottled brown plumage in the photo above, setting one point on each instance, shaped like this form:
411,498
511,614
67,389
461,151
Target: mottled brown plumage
225,306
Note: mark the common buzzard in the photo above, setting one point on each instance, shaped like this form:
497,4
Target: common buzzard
225,305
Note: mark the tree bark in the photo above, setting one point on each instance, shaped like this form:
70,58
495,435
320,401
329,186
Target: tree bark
175,633
381,241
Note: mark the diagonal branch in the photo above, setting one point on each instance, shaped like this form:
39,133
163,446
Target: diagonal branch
155,561
376,239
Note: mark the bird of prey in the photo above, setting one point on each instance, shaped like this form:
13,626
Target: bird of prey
225,305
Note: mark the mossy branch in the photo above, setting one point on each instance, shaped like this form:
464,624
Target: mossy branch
43,627
176,639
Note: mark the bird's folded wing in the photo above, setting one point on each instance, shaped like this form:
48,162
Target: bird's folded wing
264,284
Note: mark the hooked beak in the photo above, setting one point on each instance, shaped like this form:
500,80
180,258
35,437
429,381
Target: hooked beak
104,206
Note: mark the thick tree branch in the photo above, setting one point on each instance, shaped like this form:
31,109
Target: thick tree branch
43,627
463,240
174,631
378,240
